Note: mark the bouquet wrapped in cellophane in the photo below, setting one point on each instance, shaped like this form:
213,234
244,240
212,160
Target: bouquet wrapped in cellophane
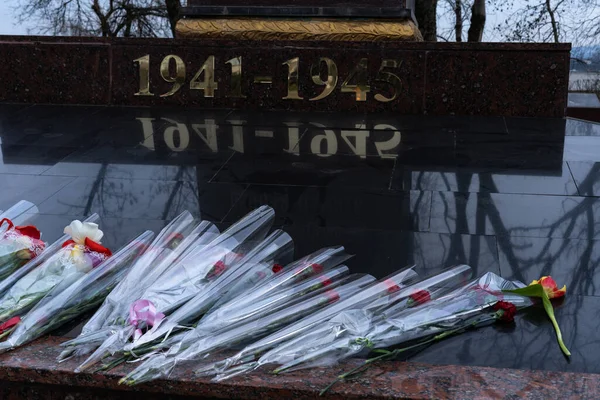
384,289
20,213
65,302
297,271
18,244
199,342
228,316
221,260
75,258
32,264
181,234
471,305
353,321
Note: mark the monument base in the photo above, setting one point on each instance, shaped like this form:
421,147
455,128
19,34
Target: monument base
286,29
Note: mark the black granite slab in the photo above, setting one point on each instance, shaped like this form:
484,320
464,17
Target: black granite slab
520,222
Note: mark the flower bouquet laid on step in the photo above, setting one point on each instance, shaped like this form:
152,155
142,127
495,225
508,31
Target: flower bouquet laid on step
191,312
362,331
198,342
174,239
18,245
32,264
20,213
195,272
65,302
353,321
375,290
77,256
273,250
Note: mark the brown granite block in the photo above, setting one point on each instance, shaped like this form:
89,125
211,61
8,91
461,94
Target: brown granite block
35,365
523,83
60,73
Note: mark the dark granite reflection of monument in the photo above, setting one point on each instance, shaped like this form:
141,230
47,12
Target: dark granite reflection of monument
330,20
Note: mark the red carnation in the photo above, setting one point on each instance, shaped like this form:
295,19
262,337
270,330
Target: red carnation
277,268
420,297
391,285
217,269
325,281
11,323
505,311
317,268
332,295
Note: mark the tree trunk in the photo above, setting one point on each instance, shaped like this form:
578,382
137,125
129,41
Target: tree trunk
173,8
104,25
477,21
459,23
426,13
552,21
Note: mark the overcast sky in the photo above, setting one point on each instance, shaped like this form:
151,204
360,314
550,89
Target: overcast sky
8,23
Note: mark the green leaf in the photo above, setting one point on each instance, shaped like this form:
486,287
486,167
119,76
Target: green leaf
536,290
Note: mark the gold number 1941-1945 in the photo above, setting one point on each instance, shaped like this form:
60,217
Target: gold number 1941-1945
173,70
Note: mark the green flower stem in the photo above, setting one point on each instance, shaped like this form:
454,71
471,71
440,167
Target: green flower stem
550,311
389,355
537,290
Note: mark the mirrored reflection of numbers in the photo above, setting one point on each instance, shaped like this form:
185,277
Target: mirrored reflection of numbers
324,72
176,135
381,140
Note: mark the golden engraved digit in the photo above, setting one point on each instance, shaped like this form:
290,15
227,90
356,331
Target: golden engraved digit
144,73
208,85
332,77
179,79
236,77
362,87
392,79
292,79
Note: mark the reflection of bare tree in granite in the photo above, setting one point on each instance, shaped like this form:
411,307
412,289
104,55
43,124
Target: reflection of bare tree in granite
95,188
579,220
112,197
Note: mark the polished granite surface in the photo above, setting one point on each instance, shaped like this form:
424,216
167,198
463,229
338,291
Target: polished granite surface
508,195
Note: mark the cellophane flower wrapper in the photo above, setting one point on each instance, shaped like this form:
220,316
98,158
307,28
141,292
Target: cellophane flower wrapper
34,263
254,277
273,249
274,302
63,304
68,264
278,302
18,245
359,321
238,334
173,241
293,273
185,279
296,280
212,259
470,304
20,213
365,296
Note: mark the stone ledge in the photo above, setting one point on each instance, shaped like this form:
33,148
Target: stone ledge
35,364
